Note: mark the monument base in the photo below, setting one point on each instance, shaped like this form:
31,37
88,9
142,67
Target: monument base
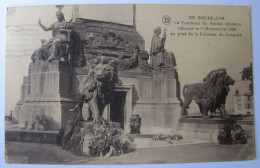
31,136
51,96
208,129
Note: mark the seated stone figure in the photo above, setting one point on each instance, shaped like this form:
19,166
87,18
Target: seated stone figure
160,57
57,47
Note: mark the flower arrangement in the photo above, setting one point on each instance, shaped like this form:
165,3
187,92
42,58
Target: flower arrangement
232,133
167,138
108,141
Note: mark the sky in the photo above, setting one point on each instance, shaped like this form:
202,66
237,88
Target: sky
195,56
30,15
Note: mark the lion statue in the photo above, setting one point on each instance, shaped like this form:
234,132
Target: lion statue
97,89
209,95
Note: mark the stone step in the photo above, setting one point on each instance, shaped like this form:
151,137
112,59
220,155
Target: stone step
31,136
141,142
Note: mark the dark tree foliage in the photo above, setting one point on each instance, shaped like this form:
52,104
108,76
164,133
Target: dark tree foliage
247,74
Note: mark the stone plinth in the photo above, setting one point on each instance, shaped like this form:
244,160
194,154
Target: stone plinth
51,96
25,91
155,99
207,129
199,128
31,136
76,138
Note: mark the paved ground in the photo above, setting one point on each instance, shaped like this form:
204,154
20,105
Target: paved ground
33,153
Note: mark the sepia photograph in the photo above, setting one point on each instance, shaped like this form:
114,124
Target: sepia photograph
127,84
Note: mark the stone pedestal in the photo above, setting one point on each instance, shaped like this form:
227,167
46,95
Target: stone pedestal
25,91
208,129
51,96
76,137
204,129
155,98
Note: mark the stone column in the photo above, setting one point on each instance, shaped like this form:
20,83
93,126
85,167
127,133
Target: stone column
75,12
134,16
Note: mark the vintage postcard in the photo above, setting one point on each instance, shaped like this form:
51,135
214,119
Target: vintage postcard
128,84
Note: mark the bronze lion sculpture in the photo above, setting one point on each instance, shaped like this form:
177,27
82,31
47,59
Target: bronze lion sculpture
97,89
209,95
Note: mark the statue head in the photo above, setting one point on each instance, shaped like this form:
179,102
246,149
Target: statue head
60,15
157,30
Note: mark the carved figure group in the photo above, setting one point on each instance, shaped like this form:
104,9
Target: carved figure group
210,95
64,42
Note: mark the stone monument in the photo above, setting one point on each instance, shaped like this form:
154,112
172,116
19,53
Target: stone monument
54,78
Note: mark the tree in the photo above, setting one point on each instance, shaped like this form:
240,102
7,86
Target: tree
247,74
